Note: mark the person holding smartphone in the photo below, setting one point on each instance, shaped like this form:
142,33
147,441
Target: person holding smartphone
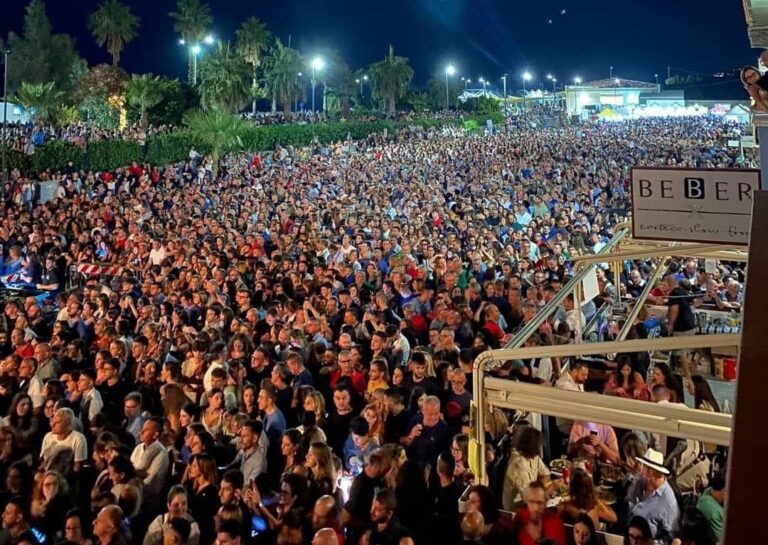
591,439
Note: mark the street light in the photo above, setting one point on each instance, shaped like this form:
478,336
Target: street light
296,98
577,80
504,81
182,41
317,65
450,70
526,77
657,78
208,39
482,80
611,76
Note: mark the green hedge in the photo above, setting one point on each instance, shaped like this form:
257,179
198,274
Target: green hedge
109,154
174,147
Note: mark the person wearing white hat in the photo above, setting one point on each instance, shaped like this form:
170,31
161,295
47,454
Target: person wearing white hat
652,498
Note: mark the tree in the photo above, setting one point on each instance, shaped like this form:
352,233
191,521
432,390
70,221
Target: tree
342,85
97,93
219,131
281,71
144,92
390,79
252,40
113,24
38,55
224,79
40,98
190,21
436,91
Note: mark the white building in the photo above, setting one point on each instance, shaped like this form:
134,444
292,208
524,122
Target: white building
590,98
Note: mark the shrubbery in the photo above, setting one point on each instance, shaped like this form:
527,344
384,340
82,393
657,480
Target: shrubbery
173,147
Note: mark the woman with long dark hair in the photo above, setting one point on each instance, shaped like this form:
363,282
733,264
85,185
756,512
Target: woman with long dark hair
626,383
583,500
293,456
22,423
202,486
583,531
662,374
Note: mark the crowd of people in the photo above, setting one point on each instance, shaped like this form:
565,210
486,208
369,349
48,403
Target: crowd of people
283,354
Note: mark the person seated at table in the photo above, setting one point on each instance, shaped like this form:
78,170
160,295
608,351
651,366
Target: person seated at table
591,439
525,465
583,500
535,523
583,532
626,383
652,497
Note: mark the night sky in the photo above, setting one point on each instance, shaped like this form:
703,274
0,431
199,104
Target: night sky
481,37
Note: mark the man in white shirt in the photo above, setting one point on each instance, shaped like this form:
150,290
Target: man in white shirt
573,380
63,448
150,458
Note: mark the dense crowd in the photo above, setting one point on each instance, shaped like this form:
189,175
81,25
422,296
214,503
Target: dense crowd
285,353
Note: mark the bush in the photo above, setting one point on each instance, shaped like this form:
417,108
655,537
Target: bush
16,159
170,148
55,155
110,154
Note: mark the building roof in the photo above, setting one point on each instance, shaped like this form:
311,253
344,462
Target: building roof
756,12
619,83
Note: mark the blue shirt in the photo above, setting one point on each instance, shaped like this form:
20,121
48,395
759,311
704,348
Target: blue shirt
660,509
274,426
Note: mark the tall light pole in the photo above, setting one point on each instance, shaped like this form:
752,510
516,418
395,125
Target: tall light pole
657,78
482,80
296,98
526,77
4,173
577,80
611,76
317,65
195,50
504,82
450,70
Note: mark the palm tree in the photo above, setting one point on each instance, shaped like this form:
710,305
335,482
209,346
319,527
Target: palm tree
340,82
39,98
144,92
113,24
224,80
219,131
190,21
390,79
252,40
281,71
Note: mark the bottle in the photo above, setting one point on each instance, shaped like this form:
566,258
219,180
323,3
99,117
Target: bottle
597,474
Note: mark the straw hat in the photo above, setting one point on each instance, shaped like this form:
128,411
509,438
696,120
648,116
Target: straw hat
655,460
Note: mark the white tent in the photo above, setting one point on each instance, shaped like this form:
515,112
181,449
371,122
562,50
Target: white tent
739,114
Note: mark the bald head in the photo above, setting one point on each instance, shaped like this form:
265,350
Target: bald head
326,536
472,526
324,513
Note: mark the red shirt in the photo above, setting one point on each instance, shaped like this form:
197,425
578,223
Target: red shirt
552,528
357,378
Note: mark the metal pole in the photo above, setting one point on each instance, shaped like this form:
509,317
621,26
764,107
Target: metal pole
4,174
447,105
524,95
313,89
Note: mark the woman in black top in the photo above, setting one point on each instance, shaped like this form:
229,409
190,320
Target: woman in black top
202,483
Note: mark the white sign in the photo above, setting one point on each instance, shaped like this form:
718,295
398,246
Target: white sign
590,286
690,205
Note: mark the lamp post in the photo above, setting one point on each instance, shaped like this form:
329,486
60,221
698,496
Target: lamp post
657,78
317,65
577,80
296,98
504,83
611,75
4,173
361,82
482,80
526,77
195,49
450,70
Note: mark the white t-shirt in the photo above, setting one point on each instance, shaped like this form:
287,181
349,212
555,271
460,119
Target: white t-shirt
74,442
